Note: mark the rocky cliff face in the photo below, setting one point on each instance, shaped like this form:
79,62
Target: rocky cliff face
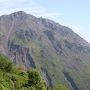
55,50
20,55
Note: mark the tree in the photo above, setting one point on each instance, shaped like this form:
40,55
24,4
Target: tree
34,79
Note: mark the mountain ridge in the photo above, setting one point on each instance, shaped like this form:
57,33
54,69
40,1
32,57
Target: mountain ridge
55,50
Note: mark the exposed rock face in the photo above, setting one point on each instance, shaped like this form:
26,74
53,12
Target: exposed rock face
47,77
21,55
70,80
48,46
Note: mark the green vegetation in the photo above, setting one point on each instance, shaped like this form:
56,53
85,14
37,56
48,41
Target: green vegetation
13,78
60,87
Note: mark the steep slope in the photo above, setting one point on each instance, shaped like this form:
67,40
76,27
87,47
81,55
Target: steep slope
55,50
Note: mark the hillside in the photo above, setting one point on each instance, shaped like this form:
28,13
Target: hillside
56,51
13,78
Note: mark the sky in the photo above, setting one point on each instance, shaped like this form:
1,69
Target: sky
72,13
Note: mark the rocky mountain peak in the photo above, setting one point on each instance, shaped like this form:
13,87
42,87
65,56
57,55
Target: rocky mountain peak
20,13
55,50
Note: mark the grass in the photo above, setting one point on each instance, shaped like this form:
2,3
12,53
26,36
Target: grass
55,65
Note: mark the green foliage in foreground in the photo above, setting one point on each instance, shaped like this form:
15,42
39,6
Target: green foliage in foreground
12,78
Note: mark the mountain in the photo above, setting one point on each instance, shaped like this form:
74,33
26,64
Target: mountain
55,50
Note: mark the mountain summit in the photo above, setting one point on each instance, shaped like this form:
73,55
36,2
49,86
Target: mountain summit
55,50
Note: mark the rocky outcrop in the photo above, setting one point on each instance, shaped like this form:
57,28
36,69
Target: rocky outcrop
20,55
76,47
70,80
46,77
27,35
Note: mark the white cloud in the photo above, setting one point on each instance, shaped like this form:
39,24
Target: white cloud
29,6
